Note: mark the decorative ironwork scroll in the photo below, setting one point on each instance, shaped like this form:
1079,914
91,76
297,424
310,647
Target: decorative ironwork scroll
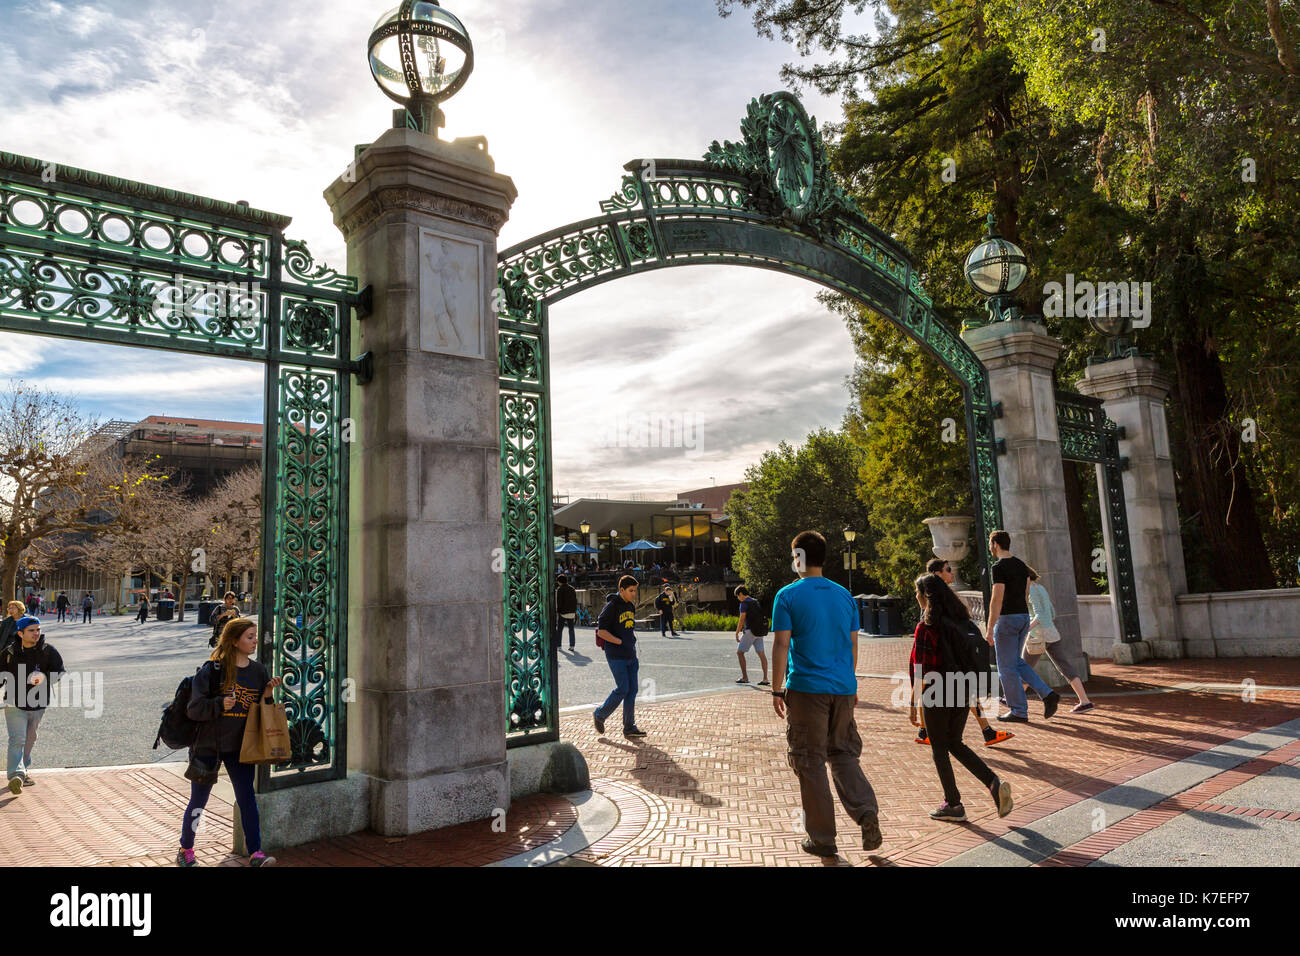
770,202
1087,434
96,258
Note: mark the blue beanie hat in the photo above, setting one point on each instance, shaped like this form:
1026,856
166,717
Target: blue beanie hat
26,621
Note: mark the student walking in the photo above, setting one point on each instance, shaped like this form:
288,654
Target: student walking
1008,623
751,617
87,605
224,689
62,604
9,626
144,609
664,604
222,616
941,692
815,622
1041,626
566,611
614,628
29,669
991,736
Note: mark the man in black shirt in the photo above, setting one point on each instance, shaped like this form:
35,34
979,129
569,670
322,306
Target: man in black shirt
1008,623
664,603
614,628
566,610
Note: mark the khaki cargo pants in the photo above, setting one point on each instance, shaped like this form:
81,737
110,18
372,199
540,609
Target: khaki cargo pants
820,728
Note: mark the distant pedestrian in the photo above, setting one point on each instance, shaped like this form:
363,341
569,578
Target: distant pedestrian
87,605
223,615
566,611
33,604
29,669
62,604
991,736
664,605
750,614
1008,624
223,691
815,622
1042,625
942,692
614,628
144,609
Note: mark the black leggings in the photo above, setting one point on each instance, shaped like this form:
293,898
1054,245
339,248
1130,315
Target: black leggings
945,726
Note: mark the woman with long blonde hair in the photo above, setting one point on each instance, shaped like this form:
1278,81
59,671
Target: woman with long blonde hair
223,691
9,626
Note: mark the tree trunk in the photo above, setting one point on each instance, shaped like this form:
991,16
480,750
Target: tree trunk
10,577
1080,534
1221,489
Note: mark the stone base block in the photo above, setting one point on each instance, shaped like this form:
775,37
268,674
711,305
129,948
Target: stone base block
1167,650
401,807
555,767
1199,648
1134,653
315,811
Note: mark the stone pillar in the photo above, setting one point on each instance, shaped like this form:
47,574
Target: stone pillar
421,219
1133,392
1020,356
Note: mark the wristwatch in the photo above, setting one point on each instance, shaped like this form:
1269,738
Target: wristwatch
779,693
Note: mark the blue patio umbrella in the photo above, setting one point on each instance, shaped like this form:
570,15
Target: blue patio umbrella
570,548
641,544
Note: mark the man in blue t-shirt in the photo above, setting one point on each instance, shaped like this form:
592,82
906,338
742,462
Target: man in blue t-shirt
815,624
614,627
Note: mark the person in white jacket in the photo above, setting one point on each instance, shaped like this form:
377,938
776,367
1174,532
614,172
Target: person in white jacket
1041,626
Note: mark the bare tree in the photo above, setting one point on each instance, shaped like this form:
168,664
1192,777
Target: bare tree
57,477
233,542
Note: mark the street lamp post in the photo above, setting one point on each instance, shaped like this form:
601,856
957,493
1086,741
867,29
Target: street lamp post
849,536
613,547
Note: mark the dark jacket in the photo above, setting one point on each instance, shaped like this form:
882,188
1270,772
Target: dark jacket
62,603
566,600
220,617
17,663
8,631
220,730
617,618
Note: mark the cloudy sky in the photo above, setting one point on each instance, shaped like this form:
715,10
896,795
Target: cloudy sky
263,101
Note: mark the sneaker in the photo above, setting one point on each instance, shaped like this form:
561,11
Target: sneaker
999,736
1050,703
921,737
185,858
600,724
261,859
27,779
633,732
742,680
1009,718
955,814
871,838
15,785
1001,793
1080,708
989,733
765,683
809,845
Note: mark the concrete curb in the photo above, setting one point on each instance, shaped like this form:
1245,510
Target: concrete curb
597,816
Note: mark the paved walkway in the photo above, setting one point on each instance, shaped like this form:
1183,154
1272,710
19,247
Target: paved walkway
1177,761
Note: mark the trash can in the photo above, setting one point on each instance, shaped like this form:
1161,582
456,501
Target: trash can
890,616
165,609
867,611
205,612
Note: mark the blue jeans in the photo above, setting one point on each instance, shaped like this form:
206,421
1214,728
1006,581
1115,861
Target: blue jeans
624,692
241,778
21,725
559,631
1008,638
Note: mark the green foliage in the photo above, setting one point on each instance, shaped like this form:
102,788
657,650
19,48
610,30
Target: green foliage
705,621
812,487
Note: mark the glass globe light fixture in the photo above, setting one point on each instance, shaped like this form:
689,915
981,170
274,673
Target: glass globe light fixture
420,55
995,269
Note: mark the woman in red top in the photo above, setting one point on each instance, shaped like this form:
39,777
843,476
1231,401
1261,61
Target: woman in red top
943,699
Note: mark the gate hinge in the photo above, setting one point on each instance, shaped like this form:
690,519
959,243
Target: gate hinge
364,302
995,410
1000,446
363,367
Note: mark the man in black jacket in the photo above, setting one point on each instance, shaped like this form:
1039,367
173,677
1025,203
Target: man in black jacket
664,603
566,611
29,668
63,604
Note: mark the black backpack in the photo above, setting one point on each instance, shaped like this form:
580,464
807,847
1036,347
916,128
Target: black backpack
964,654
177,730
759,624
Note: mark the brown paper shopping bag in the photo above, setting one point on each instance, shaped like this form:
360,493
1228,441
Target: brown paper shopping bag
266,734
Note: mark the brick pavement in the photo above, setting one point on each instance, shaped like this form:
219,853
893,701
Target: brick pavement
710,785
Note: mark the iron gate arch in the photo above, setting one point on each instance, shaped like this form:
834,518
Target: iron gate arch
770,202
92,257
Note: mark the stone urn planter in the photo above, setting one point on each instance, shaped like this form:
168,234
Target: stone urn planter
951,536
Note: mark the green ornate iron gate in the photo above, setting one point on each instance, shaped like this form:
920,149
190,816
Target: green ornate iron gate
92,257
1087,434
768,201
